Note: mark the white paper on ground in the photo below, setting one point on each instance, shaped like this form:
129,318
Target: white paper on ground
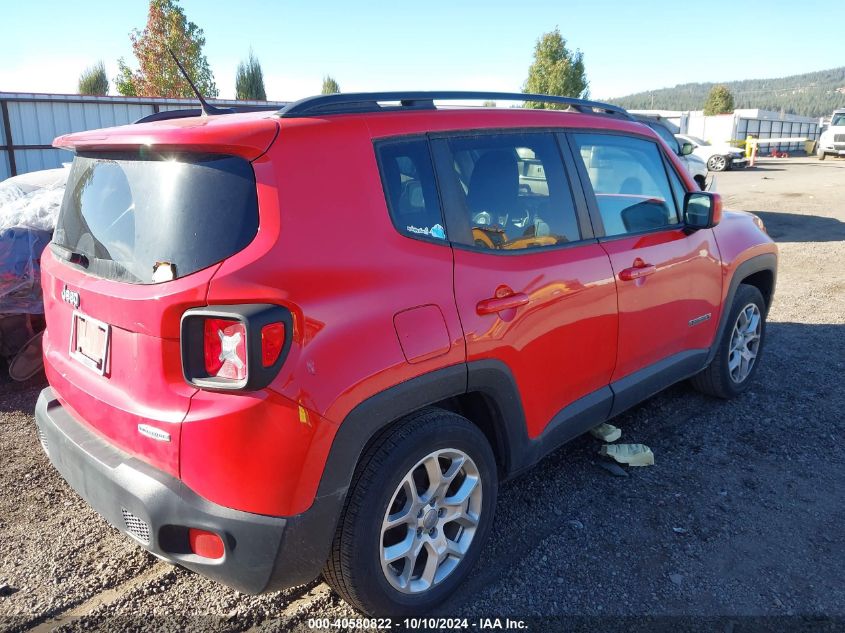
631,454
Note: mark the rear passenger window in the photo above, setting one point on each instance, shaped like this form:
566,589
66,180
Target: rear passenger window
410,188
630,183
512,191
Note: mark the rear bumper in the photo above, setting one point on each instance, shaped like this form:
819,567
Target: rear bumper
262,553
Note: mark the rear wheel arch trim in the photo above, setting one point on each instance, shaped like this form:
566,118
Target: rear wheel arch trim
490,378
766,262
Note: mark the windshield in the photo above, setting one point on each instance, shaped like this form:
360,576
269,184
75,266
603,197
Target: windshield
124,215
838,119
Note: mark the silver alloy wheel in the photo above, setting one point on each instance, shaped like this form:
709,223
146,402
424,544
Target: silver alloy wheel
430,521
745,342
717,163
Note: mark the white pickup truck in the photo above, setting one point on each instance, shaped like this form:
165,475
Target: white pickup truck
832,140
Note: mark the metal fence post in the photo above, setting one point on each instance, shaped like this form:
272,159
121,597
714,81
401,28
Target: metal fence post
10,146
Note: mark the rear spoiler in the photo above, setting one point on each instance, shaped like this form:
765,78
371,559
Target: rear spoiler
248,135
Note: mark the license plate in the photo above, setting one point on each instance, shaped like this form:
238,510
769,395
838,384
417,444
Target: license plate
89,341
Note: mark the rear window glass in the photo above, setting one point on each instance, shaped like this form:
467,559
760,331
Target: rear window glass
408,179
125,215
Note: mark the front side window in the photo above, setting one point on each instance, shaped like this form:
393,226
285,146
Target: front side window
512,191
629,181
410,188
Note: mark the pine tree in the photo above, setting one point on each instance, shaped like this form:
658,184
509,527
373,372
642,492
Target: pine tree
93,80
249,80
719,101
556,71
330,86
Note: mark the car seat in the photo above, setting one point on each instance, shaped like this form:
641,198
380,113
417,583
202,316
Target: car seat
494,185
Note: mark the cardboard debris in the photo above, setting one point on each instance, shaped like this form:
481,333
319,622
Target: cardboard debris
606,432
631,454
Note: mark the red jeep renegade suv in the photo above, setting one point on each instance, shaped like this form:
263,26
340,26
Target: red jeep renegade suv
315,340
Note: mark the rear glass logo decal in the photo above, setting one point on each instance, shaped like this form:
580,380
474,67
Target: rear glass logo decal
435,231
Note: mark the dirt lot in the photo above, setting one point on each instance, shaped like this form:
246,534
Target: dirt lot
741,515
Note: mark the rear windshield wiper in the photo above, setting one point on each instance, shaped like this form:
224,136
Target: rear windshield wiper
70,256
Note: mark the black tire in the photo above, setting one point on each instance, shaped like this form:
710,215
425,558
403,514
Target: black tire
701,181
821,154
354,566
715,379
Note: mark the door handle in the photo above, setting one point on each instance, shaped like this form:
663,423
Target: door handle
498,304
639,269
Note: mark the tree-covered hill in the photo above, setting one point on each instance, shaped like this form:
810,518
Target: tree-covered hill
810,94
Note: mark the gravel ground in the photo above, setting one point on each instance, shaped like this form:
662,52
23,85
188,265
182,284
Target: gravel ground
740,516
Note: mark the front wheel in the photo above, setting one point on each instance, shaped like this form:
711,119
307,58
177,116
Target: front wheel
738,355
718,163
417,515
820,153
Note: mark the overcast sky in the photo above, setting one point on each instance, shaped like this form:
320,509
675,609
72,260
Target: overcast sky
473,45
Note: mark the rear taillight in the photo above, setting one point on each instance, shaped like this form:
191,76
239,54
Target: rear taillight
272,341
224,346
238,347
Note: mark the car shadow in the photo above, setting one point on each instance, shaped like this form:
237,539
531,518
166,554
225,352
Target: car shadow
21,396
797,227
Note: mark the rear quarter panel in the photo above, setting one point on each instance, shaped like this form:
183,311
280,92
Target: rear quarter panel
326,250
740,239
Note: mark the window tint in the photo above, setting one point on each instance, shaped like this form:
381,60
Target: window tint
629,180
512,191
411,190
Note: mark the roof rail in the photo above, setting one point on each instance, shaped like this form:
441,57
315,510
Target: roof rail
352,102
184,113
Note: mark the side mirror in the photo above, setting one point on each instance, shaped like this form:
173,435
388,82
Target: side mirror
686,149
702,209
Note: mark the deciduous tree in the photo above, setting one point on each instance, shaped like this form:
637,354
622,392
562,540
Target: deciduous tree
157,74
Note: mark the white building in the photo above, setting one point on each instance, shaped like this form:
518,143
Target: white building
740,124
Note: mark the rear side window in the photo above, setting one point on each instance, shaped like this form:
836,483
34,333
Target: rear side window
127,214
629,181
410,188
512,191
666,135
